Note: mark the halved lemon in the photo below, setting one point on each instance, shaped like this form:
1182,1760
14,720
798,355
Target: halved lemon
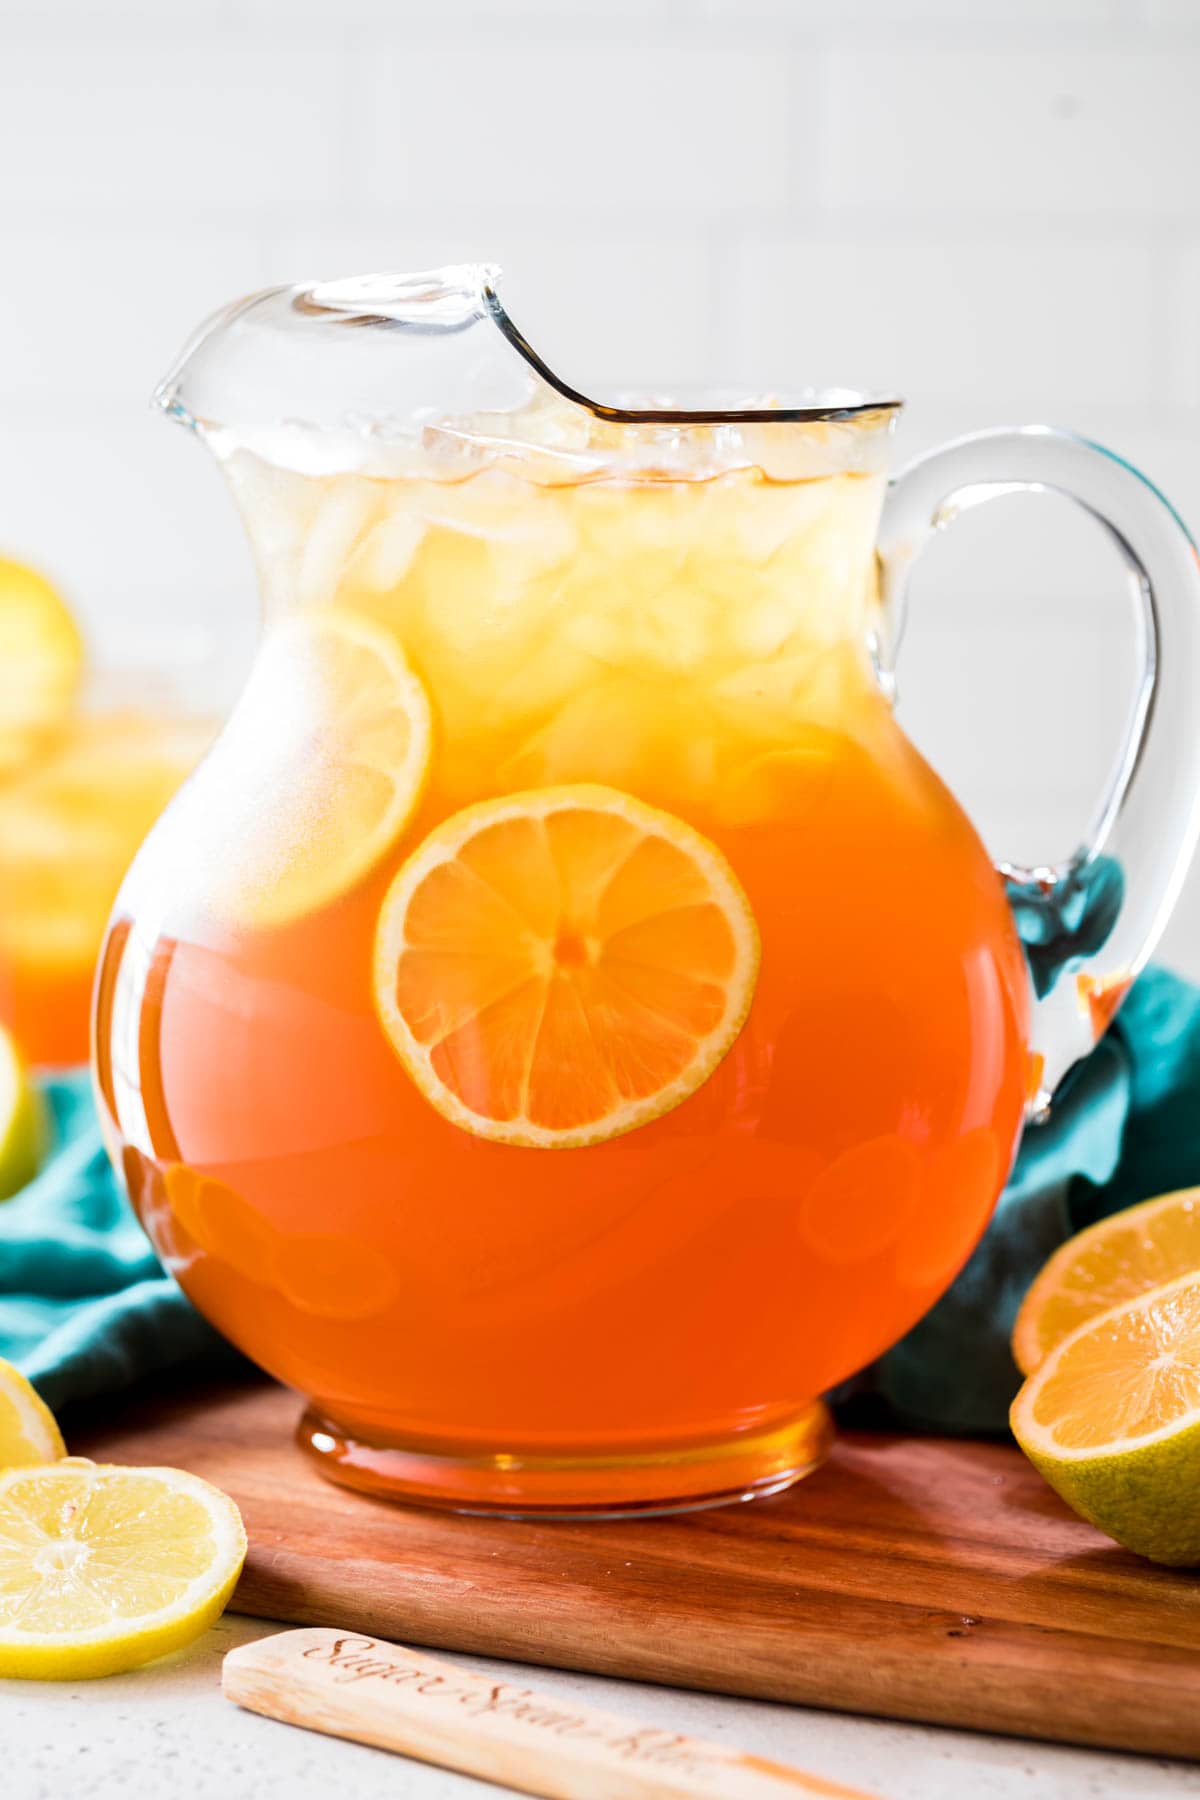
105,1568
1119,1258
41,661
1112,1420
28,1429
22,1127
559,966
320,767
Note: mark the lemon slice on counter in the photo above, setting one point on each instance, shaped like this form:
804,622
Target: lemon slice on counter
104,1568
563,965
1119,1258
1111,1418
41,661
22,1123
29,1433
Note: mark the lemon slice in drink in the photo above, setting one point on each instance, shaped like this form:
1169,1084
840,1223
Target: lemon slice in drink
28,1429
1122,1256
22,1121
560,966
1112,1420
41,661
319,769
105,1568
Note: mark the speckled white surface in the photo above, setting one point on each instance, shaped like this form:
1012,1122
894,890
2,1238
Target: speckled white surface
167,1732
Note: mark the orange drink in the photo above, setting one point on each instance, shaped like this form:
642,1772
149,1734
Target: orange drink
80,786
564,1026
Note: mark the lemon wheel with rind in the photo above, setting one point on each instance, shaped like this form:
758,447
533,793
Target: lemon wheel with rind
560,966
318,771
104,1568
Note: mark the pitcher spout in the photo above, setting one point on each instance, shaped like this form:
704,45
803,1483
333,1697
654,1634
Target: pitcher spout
391,359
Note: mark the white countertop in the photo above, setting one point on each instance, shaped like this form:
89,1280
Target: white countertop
167,1731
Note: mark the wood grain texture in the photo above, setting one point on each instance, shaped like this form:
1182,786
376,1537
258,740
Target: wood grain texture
915,1578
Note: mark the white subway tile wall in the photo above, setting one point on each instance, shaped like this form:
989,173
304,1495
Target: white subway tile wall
991,205
1027,324
998,131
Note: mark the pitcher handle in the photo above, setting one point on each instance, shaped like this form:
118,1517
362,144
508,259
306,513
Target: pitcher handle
1099,913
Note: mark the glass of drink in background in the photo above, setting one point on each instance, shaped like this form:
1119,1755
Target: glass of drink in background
90,753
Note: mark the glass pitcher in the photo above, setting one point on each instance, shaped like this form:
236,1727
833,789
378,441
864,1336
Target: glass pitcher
564,1027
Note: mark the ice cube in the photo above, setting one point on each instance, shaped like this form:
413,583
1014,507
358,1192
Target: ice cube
349,506
387,554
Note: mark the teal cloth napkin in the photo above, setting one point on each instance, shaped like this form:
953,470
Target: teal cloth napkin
85,1307
1125,1126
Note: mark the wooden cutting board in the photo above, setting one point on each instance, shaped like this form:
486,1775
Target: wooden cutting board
917,1578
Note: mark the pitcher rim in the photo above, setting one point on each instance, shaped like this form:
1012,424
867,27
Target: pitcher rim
382,299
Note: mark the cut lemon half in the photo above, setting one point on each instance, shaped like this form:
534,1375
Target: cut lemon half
105,1568
28,1429
320,767
22,1126
1112,1420
557,967
1119,1258
41,661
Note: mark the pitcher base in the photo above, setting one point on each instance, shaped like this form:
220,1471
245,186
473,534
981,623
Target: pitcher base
576,1487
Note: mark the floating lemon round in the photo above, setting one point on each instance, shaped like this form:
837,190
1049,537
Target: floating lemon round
41,661
560,966
105,1568
319,769
1121,1257
28,1429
